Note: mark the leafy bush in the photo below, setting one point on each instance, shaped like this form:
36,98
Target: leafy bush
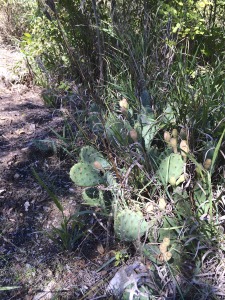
16,17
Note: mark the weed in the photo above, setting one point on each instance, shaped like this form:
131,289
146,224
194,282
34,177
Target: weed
72,228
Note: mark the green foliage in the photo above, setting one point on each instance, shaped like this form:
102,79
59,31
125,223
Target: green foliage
90,170
84,174
198,21
166,66
117,131
202,87
69,233
171,168
94,197
90,155
16,17
129,225
72,227
8,288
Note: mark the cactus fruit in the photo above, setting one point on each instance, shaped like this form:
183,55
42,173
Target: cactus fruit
149,208
162,204
129,225
207,163
157,255
83,174
90,155
124,104
166,256
167,136
163,248
180,179
166,241
172,180
184,148
97,165
174,133
171,168
134,135
173,144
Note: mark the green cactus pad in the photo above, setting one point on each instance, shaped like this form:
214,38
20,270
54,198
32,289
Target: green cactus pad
117,131
83,174
97,198
89,155
148,133
129,225
170,167
93,197
201,194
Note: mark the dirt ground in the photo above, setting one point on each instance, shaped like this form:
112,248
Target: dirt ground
30,261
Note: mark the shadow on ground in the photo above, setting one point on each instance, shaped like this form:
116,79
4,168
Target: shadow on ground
28,258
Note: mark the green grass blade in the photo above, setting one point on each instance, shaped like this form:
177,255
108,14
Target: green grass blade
51,194
215,154
8,288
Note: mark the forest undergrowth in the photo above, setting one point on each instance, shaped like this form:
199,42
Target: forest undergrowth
140,85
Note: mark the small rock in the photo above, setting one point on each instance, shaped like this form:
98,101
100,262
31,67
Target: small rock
16,176
2,191
26,205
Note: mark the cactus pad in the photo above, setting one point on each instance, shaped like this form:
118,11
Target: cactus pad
171,167
93,197
83,174
89,155
117,131
130,225
97,198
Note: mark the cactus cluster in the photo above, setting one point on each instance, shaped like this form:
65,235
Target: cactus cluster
130,225
131,127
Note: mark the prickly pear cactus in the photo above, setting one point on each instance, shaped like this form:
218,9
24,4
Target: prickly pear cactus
97,198
83,174
90,170
90,155
148,133
117,131
93,197
129,225
201,194
171,168
94,119
149,127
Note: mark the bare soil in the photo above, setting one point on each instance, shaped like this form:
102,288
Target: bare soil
29,259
